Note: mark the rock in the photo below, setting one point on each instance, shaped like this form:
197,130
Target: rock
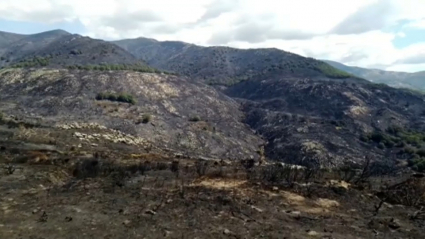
150,212
227,232
167,233
257,209
126,222
275,188
394,224
313,233
293,212
169,201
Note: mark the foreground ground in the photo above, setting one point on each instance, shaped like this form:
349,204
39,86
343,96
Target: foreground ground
56,185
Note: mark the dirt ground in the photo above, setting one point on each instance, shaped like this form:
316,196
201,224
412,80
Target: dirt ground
120,191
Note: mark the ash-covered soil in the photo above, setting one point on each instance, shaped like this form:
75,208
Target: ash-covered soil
54,185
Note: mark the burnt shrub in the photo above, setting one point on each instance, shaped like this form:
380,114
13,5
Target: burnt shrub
201,167
195,118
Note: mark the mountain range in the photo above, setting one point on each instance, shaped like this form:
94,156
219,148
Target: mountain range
414,80
219,102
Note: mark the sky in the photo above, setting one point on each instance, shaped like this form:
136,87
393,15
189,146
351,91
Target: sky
382,34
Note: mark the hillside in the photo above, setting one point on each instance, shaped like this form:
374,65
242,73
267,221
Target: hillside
60,48
392,78
7,38
167,111
225,65
327,123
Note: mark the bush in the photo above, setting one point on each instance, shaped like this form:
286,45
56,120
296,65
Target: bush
408,150
126,98
364,138
421,152
146,118
195,119
377,137
389,144
417,164
201,167
381,146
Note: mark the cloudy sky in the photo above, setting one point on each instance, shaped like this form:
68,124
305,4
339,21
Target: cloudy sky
384,34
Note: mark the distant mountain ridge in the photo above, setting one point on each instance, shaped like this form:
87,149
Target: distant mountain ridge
60,48
226,65
6,38
414,80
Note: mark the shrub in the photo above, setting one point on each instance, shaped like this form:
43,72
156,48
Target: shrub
421,152
417,164
146,118
201,167
381,146
389,144
101,96
126,98
364,138
377,137
409,150
195,119
401,144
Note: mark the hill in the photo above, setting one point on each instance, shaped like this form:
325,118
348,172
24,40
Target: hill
7,38
225,65
166,110
60,48
414,81
86,144
329,123
307,115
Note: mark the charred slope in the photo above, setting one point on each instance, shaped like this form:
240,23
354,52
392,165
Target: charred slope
169,111
7,38
310,121
60,48
225,65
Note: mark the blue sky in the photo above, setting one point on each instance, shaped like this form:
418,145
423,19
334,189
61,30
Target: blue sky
408,35
384,34
412,36
23,27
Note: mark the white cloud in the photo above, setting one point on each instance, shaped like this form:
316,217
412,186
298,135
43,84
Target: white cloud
401,34
419,24
346,31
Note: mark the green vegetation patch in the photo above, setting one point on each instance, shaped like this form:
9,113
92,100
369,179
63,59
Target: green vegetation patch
34,62
411,144
332,72
122,97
